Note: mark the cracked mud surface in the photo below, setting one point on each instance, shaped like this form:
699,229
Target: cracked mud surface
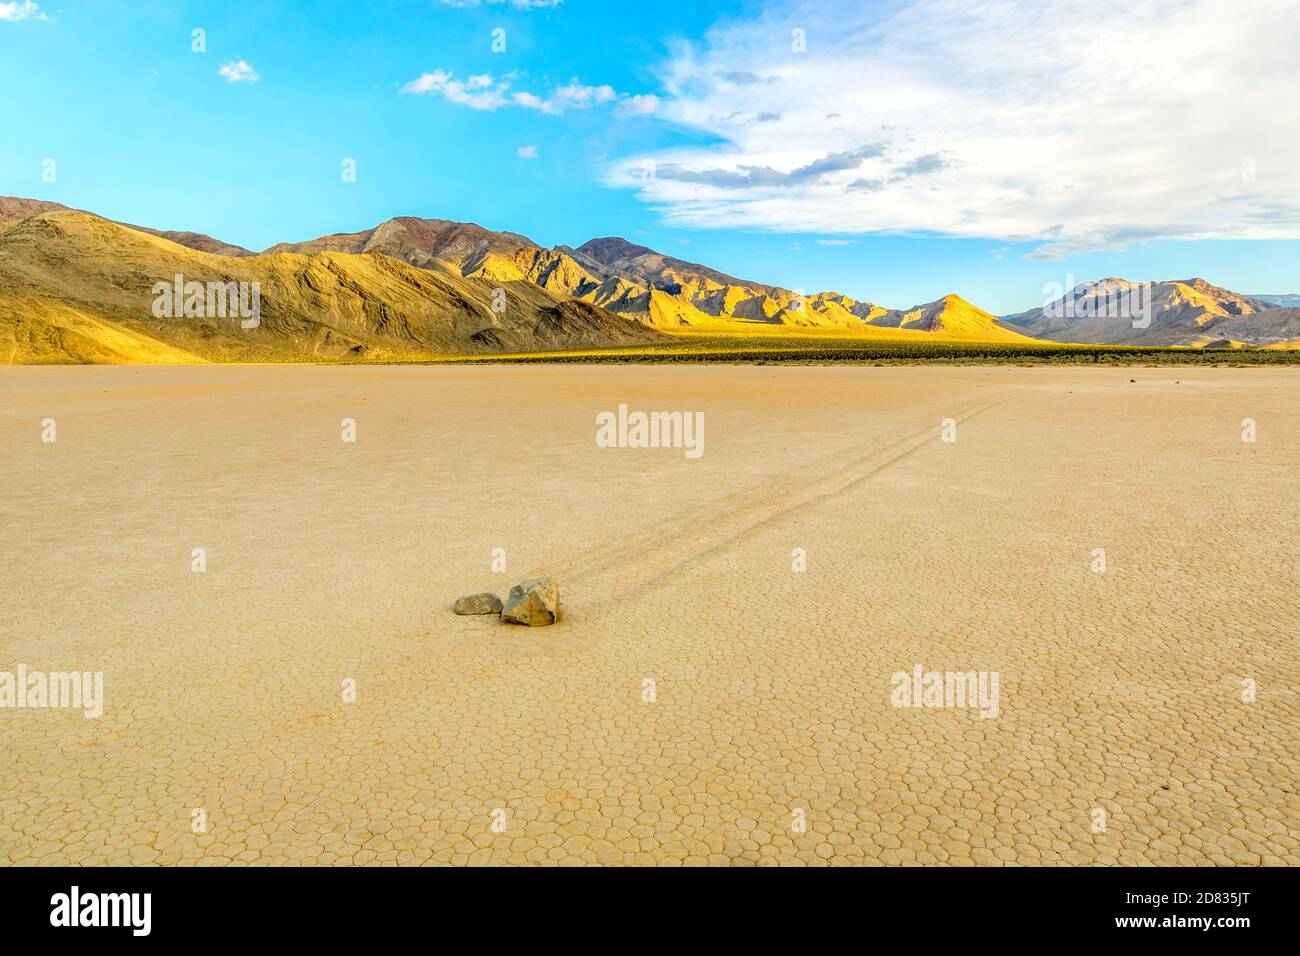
327,562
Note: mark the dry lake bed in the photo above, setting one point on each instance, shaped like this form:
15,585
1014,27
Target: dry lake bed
887,615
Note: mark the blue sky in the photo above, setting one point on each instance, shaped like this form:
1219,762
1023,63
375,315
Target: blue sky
907,150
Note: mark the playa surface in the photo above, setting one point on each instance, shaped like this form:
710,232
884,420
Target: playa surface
700,700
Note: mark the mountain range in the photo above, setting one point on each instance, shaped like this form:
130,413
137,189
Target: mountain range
654,290
1188,312
75,287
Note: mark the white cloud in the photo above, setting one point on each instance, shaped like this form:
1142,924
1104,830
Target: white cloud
837,242
527,152
433,82
638,105
26,10
576,96
482,92
1082,125
238,71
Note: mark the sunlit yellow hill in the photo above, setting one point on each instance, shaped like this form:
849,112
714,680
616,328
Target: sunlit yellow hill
34,329
13,208
951,317
77,288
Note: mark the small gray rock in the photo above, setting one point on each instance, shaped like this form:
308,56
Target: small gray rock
535,602
485,603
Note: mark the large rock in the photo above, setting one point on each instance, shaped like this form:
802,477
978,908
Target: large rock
535,602
484,603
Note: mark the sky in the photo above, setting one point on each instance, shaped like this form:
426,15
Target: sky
893,151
